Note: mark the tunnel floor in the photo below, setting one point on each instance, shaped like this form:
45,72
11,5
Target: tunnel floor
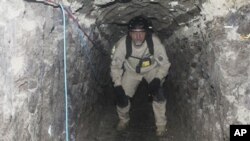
141,126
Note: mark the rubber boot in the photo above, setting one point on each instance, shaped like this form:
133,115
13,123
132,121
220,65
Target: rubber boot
123,114
161,130
159,109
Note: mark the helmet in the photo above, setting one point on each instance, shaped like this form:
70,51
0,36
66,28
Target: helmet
139,23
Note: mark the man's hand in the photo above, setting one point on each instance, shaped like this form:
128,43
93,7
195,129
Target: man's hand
154,86
122,99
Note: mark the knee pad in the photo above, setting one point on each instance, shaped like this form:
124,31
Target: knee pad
122,101
159,96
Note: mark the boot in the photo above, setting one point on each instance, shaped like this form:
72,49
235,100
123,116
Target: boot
161,130
122,125
124,118
160,117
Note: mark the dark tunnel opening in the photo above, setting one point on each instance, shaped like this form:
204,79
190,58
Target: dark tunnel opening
142,118
141,105
188,86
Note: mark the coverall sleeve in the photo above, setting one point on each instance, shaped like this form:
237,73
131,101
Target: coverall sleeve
161,57
117,63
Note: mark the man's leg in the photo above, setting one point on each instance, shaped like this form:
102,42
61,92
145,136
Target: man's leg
123,114
159,108
130,82
158,104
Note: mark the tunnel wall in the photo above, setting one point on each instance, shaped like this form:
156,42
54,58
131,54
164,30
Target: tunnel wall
32,76
208,83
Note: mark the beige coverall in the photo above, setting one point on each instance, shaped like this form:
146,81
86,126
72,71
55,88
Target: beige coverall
129,79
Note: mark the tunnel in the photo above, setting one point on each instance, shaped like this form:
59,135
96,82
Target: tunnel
55,69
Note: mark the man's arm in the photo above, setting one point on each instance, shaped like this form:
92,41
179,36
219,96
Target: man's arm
117,71
161,57
117,63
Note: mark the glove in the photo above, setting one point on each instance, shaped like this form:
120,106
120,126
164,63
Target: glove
122,99
154,86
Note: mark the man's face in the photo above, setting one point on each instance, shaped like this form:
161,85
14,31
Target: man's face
138,37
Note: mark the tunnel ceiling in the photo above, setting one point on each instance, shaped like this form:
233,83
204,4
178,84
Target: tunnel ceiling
163,13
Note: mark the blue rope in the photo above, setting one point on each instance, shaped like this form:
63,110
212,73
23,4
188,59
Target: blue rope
65,74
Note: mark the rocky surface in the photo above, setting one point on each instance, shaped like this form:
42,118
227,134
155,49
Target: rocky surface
209,74
32,75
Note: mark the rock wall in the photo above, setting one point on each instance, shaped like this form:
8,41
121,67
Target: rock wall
208,84
32,77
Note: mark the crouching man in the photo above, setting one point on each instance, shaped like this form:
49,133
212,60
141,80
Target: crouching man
138,55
